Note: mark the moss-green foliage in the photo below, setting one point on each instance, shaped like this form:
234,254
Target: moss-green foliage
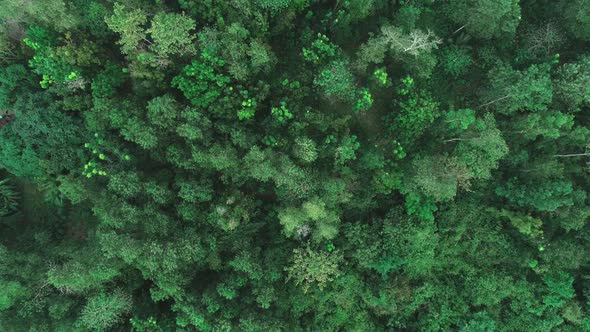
293,165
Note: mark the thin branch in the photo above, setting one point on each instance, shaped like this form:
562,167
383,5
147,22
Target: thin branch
571,155
494,101
147,41
461,28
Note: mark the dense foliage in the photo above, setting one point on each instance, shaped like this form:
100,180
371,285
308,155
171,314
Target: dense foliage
294,165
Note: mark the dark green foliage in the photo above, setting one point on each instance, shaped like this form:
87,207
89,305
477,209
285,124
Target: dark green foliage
547,196
95,12
294,165
456,61
163,111
577,18
12,79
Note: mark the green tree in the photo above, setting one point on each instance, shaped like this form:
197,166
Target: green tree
59,14
511,90
460,119
129,24
485,19
305,149
312,218
171,34
456,61
417,111
571,85
103,311
549,125
336,81
481,147
440,177
311,268
414,49
576,15
163,112
201,81
546,196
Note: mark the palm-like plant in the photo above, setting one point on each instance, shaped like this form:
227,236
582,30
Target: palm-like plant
8,199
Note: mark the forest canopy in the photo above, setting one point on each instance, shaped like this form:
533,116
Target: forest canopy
294,165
